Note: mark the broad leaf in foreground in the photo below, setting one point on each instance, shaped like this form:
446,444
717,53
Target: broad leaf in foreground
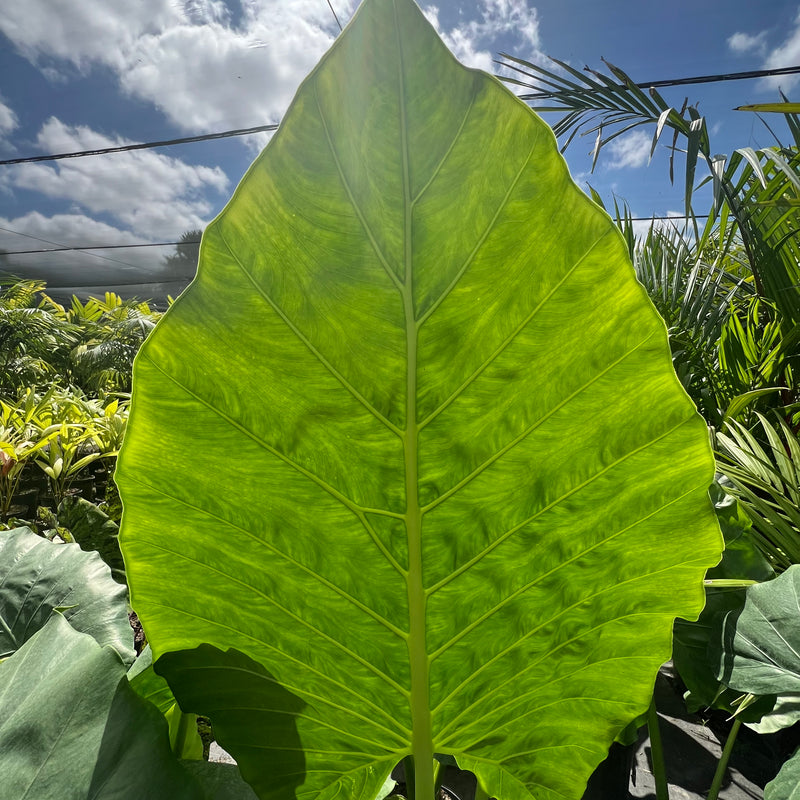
37,576
741,560
759,648
422,454
71,726
786,784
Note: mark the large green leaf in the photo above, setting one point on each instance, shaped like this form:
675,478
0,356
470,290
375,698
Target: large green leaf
759,648
741,560
786,784
421,452
71,726
147,683
184,737
93,529
37,576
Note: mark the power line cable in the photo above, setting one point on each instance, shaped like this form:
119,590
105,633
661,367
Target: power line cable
732,76
115,284
140,146
728,76
66,249
85,248
334,15
670,217
60,244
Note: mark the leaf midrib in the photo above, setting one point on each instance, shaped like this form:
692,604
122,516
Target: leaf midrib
419,661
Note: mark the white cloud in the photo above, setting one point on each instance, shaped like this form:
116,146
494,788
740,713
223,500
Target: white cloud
206,70
8,119
189,59
630,150
34,231
152,194
745,42
786,54
84,31
468,41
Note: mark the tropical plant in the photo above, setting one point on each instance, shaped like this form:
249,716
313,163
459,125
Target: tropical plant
65,456
481,493
766,477
109,427
25,429
61,431
742,564
110,332
756,651
182,264
754,216
16,451
697,296
31,337
78,715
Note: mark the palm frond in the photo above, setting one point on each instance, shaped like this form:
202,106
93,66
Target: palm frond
765,474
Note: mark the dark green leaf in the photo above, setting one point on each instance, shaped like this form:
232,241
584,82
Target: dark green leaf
784,713
37,576
219,781
741,559
92,529
149,684
759,649
786,785
71,726
183,735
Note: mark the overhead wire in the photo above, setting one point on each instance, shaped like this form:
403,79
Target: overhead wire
59,247
334,15
726,76
123,148
60,244
115,284
84,248
732,76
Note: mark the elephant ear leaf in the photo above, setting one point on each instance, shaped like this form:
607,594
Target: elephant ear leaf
786,784
38,576
71,726
423,457
758,648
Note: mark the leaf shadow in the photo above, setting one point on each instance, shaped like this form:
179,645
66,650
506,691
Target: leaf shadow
252,715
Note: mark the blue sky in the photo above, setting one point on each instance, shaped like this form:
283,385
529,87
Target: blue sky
77,74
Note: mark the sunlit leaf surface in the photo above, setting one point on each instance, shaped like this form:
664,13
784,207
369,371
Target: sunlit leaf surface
412,443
